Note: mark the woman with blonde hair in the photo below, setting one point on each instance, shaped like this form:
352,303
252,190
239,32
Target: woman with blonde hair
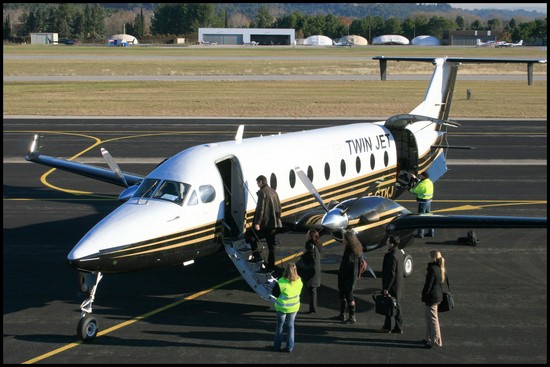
432,295
287,290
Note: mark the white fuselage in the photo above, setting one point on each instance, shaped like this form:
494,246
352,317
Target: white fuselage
338,160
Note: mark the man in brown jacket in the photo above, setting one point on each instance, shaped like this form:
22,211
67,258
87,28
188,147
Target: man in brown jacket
267,219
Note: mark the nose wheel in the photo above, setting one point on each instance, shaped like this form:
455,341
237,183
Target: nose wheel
87,326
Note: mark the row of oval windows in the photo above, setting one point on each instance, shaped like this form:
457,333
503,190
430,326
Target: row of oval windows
343,169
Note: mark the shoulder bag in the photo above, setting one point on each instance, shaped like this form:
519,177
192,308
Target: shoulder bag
448,302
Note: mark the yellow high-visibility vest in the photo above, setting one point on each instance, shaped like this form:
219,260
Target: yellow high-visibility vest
289,299
424,190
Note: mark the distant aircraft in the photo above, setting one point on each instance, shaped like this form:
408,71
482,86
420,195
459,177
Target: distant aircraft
509,44
342,44
344,177
485,44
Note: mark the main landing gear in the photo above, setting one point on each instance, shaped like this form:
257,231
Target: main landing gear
87,326
407,264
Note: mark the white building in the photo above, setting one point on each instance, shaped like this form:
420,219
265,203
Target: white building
243,36
44,38
390,39
425,41
318,40
122,40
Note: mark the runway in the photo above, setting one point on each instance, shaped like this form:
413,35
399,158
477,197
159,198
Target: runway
205,313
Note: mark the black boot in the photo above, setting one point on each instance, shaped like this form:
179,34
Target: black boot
342,316
352,318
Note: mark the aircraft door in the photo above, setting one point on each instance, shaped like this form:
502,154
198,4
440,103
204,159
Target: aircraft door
406,149
234,196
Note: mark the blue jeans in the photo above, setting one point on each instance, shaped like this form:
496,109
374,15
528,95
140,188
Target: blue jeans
282,319
425,207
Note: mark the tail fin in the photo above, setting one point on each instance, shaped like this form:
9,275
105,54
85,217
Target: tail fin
478,42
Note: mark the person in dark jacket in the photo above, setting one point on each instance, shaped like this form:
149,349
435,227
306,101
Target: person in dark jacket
347,275
432,295
392,283
311,259
267,220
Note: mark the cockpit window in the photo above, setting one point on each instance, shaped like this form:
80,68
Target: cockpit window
147,187
207,193
172,191
193,200
167,190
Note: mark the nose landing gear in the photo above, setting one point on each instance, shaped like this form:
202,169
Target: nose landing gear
87,326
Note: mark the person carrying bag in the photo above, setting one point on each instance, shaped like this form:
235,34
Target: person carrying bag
432,296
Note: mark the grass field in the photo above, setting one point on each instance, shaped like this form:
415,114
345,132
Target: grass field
354,98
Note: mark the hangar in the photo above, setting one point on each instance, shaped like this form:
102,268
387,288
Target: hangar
243,36
425,41
390,39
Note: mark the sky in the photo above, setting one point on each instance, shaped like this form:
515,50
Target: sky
541,7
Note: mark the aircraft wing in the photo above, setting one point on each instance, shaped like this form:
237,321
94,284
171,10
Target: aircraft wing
95,172
464,221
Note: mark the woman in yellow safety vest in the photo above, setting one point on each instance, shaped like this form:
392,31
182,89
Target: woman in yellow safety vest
287,290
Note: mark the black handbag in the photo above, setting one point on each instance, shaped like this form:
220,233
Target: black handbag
385,305
448,302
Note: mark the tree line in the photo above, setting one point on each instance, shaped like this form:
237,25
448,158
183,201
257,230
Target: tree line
87,22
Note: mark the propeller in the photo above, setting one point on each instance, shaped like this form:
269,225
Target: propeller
309,185
335,219
113,165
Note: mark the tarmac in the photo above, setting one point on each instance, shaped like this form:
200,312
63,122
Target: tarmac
206,313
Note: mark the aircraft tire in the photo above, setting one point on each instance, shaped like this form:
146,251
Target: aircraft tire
87,328
407,265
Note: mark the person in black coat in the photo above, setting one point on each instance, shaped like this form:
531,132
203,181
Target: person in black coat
392,283
432,295
311,260
347,275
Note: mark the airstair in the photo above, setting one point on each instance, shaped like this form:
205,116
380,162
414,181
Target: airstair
241,254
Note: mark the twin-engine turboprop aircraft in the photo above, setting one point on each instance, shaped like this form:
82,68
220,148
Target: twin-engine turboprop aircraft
332,179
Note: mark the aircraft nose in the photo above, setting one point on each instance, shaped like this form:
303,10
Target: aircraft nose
335,220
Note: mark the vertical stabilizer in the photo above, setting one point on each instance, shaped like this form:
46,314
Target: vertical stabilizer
437,101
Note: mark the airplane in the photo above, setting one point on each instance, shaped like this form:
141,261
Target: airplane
333,179
342,44
509,44
485,44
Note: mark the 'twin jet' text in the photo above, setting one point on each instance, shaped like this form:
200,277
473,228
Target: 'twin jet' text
362,145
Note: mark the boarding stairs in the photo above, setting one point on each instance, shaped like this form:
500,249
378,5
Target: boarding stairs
260,281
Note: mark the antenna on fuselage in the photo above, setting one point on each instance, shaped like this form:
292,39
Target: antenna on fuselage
239,134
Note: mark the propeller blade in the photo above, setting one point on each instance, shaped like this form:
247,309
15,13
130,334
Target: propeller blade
113,165
309,185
